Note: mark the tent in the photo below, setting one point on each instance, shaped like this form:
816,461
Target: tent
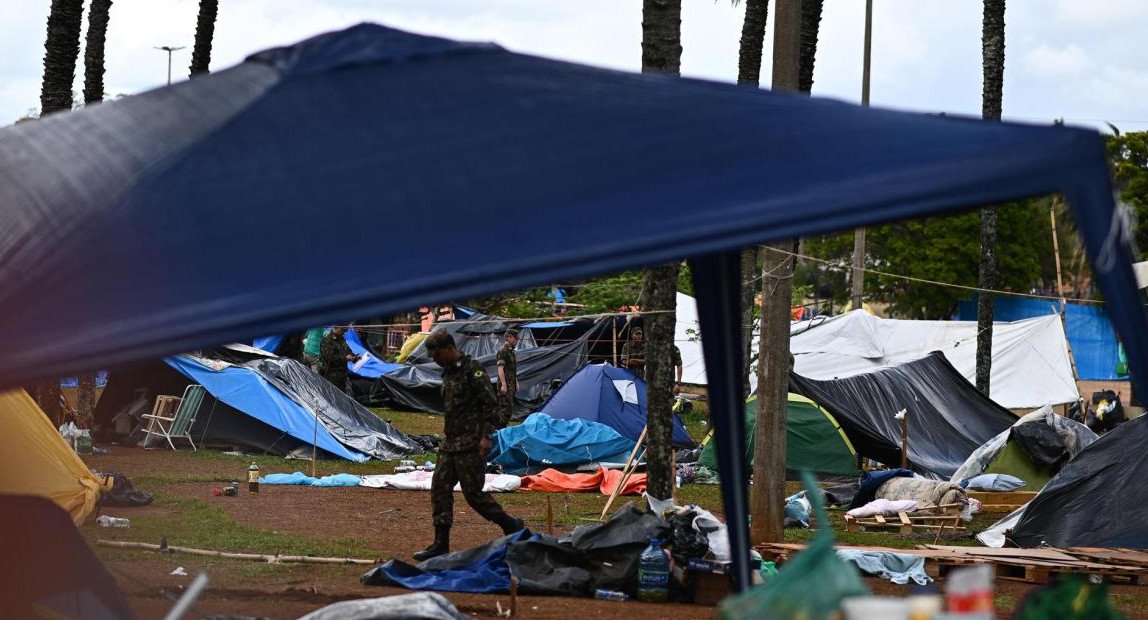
261,402
541,442
814,440
947,417
108,202
35,459
1030,368
1033,449
1093,339
1096,500
612,396
47,567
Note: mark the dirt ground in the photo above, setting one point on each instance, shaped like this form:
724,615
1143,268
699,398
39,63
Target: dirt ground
367,523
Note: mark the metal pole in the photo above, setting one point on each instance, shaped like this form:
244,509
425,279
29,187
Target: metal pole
169,49
859,232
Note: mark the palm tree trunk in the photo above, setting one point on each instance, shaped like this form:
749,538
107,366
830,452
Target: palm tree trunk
204,32
61,49
992,59
810,25
661,53
94,51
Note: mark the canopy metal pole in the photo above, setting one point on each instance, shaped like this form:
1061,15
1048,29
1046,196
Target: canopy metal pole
717,281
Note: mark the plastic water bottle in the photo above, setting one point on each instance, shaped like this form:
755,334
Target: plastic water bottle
654,574
610,595
108,521
253,479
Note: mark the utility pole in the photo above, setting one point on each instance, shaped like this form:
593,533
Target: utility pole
767,501
169,49
859,232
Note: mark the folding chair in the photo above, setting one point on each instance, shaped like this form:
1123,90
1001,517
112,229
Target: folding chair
164,422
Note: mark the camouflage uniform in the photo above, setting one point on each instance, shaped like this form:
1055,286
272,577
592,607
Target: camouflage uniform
509,366
333,352
635,350
470,412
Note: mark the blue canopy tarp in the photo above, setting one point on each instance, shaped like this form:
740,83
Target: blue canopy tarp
375,367
269,344
245,390
114,203
542,441
608,395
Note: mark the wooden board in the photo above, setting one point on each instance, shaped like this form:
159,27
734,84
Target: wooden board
1007,498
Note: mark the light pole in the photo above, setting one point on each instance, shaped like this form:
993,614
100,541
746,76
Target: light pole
169,49
859,232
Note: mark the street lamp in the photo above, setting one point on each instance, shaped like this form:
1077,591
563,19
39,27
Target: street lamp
169,49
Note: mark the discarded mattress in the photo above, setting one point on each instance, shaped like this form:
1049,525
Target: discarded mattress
544,442
947,417
421,481
604,481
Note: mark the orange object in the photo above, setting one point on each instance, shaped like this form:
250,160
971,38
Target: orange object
604,480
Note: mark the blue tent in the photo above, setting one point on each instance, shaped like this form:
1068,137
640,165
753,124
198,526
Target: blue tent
115,203
542,441
1090,334
608,395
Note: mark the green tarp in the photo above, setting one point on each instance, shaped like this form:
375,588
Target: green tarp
814,440
1013,461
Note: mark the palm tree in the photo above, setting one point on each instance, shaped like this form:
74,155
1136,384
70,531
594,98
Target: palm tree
94,51
661,53
61,49
204,31
810,25
992,62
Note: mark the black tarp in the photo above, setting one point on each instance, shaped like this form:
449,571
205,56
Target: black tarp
948,417
478,335
541,371
1097,500
1043,446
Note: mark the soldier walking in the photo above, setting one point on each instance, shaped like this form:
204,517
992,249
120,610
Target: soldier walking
334,353
507,376
470,416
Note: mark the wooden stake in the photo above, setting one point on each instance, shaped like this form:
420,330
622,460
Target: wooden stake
314,442
513,596
905,440
626,472
274,559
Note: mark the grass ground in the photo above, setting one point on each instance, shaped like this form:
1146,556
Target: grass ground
349,523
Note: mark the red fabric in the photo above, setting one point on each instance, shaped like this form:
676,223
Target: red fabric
603,480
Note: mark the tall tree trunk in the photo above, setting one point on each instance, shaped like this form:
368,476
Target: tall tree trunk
749,72
992,59
661,53
98,12
767,498
810,25
94,51
61,49
204,32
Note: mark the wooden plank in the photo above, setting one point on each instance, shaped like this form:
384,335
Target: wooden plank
1009,497
906,524
880,519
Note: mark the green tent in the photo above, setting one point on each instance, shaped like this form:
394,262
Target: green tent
1013,461
815,440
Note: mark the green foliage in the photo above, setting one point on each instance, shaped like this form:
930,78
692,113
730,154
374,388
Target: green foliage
526,304
1129,156
607,294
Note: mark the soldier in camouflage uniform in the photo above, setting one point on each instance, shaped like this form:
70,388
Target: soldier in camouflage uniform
470,415
507,376
334,353
634,353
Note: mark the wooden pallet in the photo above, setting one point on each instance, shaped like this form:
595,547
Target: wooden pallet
995,501
1038,565
905,524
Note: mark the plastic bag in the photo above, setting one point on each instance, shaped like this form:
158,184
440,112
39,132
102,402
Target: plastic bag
809,586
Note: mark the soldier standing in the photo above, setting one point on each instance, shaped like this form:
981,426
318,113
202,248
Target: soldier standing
507,376
470,415
334,353
634,353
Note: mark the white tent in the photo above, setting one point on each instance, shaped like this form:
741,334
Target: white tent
1030,357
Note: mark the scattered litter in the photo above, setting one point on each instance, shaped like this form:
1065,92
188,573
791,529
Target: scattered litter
179,572
109,521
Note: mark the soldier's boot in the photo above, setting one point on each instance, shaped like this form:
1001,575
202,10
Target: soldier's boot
440,546
510,524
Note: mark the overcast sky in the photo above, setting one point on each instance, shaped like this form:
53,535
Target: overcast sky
1075,59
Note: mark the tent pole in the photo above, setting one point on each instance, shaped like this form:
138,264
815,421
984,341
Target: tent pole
717,280
614,325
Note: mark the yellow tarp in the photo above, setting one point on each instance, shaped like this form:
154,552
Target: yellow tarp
412,341
35,459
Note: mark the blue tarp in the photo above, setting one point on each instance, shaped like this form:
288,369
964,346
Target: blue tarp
612,396
74,382
1090,333
375,367
269,344
245,390
123,197
301,479
542,441
481,570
